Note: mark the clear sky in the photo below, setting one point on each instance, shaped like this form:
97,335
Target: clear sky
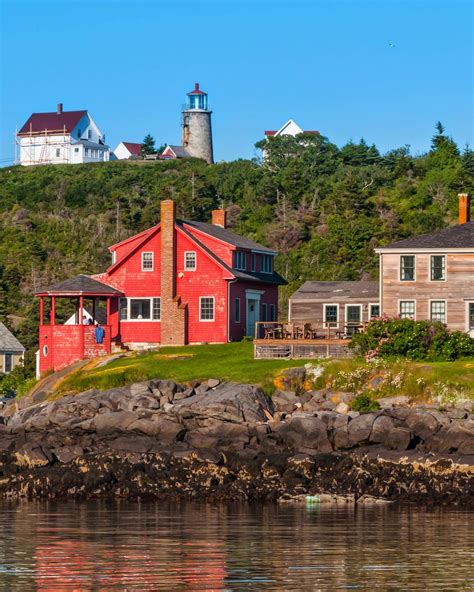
327,64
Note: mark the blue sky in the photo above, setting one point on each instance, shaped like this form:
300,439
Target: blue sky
326,64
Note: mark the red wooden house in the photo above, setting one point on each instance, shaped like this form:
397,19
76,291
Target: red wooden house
176,283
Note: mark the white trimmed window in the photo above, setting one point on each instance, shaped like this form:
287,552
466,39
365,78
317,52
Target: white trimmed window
147,261
266,263
140,309
237,310
470,316
438,310
374,311
190,260
240,260
407,268
407,309
437,268
331,315
206,308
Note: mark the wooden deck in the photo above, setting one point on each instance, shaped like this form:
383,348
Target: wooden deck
271,349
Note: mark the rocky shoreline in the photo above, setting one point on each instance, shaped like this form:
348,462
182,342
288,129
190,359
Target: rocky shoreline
231,442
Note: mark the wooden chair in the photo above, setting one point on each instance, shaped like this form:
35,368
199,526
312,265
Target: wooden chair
288,331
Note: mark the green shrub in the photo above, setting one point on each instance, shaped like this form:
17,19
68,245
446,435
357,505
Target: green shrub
363,402
413,340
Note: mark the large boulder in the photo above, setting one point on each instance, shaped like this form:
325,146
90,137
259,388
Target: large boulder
305,434
360,428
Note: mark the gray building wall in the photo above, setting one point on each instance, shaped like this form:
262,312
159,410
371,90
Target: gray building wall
196,134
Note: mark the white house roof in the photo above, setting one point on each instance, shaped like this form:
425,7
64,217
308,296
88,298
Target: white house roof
8,342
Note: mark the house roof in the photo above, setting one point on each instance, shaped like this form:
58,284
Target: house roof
178,151
197,90
285,125
336,291
80,285
460,236
40,122
8,342
227,236
133,148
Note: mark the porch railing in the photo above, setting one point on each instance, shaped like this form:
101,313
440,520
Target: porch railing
305,330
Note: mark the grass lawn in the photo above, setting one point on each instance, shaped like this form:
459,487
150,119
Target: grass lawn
227,362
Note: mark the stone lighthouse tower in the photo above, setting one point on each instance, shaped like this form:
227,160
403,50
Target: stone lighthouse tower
196,134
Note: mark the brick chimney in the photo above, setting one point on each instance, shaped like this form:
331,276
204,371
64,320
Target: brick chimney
173,313
219,218
464,208
59,109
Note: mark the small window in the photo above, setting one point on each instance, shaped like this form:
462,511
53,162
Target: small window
206,308
407,268
156,309
45,351
330,314
123,312
58,152
79,133
140,309
438,310
253,262
237,310
438,268
147,261
374,311
114,257
470,316
264,312
240,260
89,134
190,261
76,150
8,363
407,309
266,263
272,313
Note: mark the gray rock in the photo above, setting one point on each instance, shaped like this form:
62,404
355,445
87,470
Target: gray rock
117,421
139,388
213,382
422,423
342,408
328,406
305,434
398,401
201,389
359,428
167,407
184,394
284,400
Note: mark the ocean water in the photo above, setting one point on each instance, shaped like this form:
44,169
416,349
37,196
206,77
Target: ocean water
194,546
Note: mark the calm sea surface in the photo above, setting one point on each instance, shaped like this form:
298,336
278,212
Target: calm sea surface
191,546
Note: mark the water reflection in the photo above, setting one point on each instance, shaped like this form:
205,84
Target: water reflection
124,546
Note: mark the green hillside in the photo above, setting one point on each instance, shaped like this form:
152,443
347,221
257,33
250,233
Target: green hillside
322,207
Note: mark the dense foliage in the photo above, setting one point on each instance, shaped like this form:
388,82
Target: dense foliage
414,340
322,207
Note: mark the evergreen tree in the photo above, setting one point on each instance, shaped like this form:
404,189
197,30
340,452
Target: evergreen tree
148,145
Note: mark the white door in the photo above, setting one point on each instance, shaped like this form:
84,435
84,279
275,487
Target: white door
252,316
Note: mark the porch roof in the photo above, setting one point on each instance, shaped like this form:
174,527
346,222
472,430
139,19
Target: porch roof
80,285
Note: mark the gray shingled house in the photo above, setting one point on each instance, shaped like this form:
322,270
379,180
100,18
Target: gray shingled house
11,351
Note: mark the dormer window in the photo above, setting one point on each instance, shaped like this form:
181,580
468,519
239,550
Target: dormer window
240,260
266,263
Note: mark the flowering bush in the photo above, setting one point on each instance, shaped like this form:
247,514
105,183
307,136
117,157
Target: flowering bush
413,340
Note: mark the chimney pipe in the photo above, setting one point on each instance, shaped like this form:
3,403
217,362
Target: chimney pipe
59,109
196,86
464,208
219,218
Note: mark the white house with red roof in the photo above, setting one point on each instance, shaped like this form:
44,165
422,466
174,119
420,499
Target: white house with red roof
60,137
128,150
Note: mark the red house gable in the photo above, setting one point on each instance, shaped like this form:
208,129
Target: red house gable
178,282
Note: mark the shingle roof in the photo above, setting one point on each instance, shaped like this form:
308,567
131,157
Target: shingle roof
460,236
227,236
8,342
80,285
180,151
337,290
39,122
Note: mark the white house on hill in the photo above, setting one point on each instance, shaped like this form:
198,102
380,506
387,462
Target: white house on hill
126,150
290,128
61,137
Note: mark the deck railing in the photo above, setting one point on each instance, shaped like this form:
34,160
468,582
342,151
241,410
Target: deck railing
307,331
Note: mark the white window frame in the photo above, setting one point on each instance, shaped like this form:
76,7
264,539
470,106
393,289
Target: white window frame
128,309
400,268
264,258
11,359
469,330
152,260
237,317
399,308
201,298
370,309
186,268
240,257
114,257
445,267
331,323
346,307
445,302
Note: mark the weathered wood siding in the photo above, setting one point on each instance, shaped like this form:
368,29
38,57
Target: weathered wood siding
313,310
456,290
